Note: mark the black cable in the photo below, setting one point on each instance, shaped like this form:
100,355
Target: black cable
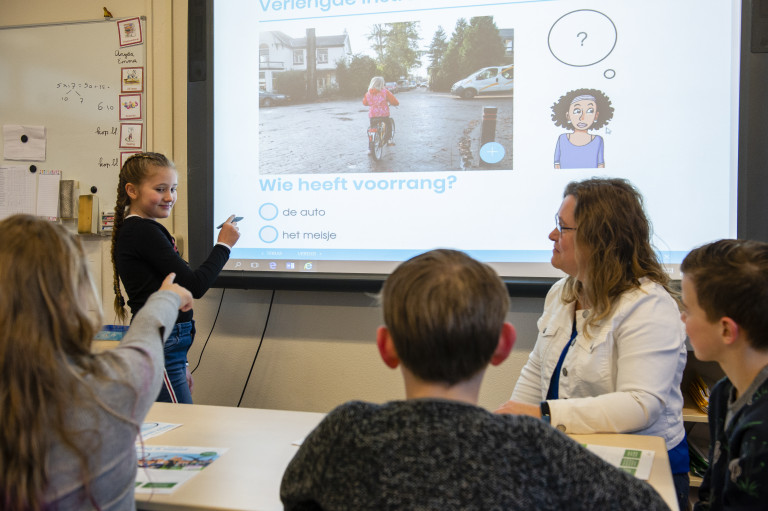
263,333
200,358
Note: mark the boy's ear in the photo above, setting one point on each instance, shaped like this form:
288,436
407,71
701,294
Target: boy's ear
729,330
130,189
506,341
387,347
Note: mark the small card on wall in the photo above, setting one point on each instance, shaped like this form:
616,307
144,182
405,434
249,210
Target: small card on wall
130,106
131,136
130,31
132,79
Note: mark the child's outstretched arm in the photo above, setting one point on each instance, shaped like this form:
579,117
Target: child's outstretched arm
184,294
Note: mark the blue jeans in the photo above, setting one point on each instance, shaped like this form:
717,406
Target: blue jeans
680,463
175,351
682,489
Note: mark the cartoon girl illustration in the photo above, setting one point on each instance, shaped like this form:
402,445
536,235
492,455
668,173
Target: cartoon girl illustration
581,110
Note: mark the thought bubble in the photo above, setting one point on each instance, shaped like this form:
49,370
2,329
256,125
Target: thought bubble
582,38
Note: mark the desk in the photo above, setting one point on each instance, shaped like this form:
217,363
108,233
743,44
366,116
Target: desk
248,475
260,443
661,472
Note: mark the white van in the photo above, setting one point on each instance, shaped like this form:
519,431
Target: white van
489,80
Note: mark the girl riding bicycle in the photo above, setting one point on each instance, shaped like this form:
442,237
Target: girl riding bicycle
378,99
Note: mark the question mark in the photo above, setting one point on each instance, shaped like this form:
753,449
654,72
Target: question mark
451,180
584,38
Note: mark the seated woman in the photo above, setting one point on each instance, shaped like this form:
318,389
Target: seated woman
70,417
610,352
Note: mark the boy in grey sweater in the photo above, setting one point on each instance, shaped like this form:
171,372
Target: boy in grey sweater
444,314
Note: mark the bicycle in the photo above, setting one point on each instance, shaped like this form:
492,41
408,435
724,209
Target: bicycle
377,138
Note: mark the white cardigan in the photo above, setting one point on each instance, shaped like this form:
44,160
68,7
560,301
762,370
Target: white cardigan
623,378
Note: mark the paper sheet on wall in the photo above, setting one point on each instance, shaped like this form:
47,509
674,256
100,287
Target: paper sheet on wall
637,462
17,191
48,194
23,142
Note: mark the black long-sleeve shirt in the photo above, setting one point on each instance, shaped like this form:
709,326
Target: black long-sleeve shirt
738,451
146,253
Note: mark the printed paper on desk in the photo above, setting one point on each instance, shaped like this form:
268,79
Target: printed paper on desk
162,469
151,429
637,462
24,142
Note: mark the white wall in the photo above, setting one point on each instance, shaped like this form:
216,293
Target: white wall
319,348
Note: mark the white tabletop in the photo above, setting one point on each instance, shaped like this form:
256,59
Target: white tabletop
260,445
248,475
661,472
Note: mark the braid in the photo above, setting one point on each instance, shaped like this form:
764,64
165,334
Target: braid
121,205
134,170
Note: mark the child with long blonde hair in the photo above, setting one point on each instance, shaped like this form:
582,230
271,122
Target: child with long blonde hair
70,417
377,99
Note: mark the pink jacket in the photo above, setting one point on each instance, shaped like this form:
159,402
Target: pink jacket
379,101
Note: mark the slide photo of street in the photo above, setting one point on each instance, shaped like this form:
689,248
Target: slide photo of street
453,78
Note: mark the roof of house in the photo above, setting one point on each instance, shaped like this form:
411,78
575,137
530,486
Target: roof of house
323,41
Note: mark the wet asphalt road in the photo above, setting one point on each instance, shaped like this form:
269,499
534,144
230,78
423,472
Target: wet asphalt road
434,132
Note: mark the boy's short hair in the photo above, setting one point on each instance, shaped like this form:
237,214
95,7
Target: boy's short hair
731,280
444,311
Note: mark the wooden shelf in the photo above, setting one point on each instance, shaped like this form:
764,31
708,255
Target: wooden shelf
691,413
697,435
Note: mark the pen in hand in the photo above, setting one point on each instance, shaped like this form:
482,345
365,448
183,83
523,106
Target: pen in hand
236,219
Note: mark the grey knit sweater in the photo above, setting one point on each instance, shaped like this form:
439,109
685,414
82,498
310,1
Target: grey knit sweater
430,454
136,367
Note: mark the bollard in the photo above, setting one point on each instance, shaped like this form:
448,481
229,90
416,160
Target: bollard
488,137
488,133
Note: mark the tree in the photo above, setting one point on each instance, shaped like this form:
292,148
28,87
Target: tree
354,74
378,38
473,45
449,70
402,49
436,51
482,45
437,47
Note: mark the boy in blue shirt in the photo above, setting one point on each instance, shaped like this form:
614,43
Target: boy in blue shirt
725,294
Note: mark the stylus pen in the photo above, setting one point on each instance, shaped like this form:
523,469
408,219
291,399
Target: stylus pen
236,219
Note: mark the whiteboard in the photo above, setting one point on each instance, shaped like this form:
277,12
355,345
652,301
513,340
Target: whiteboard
68,78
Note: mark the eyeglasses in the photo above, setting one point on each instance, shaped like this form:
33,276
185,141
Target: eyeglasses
559,226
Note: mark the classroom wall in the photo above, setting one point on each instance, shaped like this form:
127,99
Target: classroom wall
318,349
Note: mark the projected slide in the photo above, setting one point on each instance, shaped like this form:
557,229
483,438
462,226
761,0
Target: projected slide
353,134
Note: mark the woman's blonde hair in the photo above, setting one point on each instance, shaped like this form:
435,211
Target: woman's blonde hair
46,301
377,82
135,170
614,236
